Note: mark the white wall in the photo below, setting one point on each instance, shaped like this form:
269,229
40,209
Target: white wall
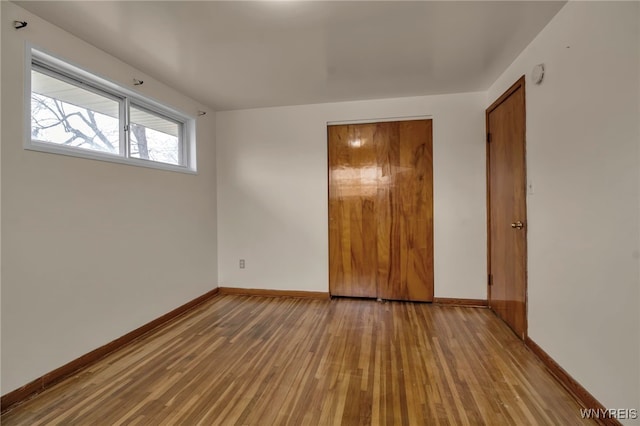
272,192
92,250
583,159
1,26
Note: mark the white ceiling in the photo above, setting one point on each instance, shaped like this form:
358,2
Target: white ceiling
241,54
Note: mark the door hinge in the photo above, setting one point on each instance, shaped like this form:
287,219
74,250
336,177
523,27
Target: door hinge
488,137
490,279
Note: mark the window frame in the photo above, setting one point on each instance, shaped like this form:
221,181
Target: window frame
46,63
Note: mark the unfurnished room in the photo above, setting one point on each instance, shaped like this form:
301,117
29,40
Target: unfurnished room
320,212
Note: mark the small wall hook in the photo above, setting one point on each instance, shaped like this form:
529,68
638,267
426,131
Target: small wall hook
201,113
137,82
19,24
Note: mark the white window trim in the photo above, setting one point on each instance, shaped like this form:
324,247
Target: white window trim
188,152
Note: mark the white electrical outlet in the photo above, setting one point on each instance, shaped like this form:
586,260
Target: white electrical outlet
241,263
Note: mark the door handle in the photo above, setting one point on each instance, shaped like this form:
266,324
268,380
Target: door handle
517,225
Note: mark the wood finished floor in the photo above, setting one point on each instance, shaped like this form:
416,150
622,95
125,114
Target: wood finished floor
239,360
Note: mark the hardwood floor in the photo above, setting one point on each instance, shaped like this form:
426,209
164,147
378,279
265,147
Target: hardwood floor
240,360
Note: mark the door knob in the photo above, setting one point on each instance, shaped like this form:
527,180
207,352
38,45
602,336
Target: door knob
517,225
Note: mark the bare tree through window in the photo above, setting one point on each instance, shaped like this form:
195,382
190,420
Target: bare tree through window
55,121
67,113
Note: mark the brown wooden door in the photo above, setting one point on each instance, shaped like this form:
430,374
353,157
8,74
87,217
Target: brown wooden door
381,210
506,187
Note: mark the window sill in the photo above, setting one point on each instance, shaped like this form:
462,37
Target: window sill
111,158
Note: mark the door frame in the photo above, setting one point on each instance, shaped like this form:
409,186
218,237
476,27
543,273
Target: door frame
519,84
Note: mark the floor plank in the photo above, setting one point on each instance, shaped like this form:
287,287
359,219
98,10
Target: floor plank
239,360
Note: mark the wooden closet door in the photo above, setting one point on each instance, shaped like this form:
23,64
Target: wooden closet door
353,190
408,222
381,210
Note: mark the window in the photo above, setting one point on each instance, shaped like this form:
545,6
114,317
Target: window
77,113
